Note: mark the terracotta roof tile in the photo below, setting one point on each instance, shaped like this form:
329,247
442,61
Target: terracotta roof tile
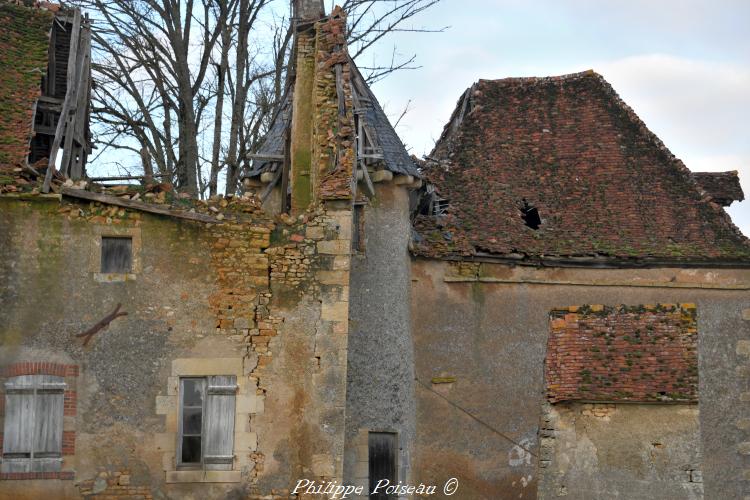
24,42
722,187
603,184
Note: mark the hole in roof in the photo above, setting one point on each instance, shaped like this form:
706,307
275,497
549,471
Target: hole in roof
530,215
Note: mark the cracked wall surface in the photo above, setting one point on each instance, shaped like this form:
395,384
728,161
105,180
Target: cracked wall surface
264,300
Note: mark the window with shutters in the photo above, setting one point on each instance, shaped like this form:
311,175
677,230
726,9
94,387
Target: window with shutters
32,440
206,424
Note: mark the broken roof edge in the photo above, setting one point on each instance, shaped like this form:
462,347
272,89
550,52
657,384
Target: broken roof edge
471,99
396,157
723,187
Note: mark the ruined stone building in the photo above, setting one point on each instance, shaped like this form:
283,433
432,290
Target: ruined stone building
549,305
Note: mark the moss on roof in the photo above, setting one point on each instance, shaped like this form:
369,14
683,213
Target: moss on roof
24,43
604,185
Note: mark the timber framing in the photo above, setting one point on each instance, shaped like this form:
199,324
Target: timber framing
62,112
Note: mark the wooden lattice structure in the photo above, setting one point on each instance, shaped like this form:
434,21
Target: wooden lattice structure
61,118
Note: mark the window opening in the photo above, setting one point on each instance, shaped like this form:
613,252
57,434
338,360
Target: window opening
358,228
117,254
33,424
206,431
530,215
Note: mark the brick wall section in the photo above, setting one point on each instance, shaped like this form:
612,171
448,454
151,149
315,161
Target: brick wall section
70,402
12,476
68,443
624,353
333,133
39,368
24,40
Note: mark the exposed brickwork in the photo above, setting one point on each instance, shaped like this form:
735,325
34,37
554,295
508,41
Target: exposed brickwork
70,402
66,475
68,443
333,133
39,368
603,183
109,485
24,41
623,353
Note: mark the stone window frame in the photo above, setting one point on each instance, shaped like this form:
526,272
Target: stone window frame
247,403
69,373
95,262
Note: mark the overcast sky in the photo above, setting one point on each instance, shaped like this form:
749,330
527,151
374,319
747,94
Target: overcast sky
682,65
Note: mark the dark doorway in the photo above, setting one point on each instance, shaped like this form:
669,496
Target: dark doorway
382,463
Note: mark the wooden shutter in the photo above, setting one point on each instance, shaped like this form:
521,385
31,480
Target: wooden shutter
382,461
117,254
48,424
19,424
32,440
219,422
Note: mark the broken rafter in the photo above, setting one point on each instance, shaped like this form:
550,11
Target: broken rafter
67,104
125,177
137,205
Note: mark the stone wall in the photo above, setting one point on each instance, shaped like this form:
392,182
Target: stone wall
480,335
636,451
264,300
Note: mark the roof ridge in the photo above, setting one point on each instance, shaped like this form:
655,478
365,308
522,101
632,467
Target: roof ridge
542,79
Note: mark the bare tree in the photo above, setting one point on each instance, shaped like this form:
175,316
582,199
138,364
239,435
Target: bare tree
190,86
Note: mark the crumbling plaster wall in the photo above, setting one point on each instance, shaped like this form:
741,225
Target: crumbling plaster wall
634,451
380,385
480,334
271,296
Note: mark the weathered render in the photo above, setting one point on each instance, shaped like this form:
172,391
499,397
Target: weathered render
579,304
550,305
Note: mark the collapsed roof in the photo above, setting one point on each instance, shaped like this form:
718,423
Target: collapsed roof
561,169
383,148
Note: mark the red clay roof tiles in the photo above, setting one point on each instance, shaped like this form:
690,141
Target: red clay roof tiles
24,42
604,185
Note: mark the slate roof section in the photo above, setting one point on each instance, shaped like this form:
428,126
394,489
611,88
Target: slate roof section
273,142
24,44
396,158
722,187
606,187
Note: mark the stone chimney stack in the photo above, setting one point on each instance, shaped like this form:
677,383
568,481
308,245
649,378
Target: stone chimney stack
308,10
